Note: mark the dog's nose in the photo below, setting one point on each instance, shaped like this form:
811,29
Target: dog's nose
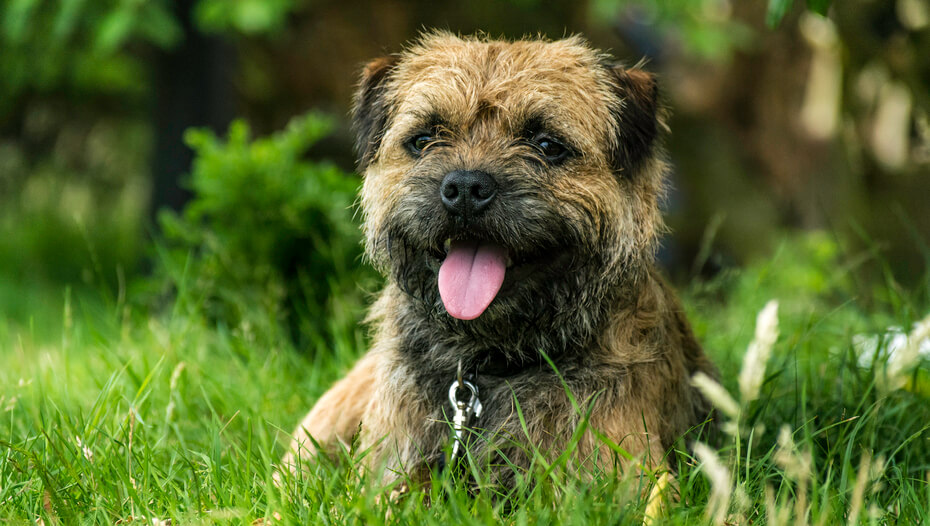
467,193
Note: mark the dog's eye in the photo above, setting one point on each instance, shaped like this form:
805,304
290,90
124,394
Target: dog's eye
551,149
419,143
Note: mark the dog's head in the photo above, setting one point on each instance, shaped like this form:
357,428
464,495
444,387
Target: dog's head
503,178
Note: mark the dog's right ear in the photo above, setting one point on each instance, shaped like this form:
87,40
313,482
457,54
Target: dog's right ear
370,113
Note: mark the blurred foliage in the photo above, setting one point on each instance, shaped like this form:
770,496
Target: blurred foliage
77,46
74,214
74,136
250,17
809,115
268,235
704,28
75,130
87,47
818,123
777,9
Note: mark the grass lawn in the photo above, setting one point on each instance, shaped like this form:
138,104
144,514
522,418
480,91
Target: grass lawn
113,414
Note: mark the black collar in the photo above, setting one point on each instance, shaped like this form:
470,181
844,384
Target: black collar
500,367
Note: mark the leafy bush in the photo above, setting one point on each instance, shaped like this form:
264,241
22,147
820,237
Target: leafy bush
269,236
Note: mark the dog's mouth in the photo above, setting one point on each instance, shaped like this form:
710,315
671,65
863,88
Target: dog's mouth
471,275
472,268
471,271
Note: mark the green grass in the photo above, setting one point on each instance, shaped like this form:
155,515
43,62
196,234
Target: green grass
110,413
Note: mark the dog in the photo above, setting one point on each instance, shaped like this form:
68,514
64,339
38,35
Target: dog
511,198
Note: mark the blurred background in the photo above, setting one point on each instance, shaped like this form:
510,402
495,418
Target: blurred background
199,150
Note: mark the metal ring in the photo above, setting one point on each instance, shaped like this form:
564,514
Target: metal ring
455,387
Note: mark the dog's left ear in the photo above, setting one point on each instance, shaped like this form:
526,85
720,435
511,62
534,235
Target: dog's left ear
370,113
637,117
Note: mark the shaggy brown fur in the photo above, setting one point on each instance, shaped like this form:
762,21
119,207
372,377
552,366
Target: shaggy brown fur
581,232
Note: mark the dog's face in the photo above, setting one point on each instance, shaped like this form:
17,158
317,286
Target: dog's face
502,179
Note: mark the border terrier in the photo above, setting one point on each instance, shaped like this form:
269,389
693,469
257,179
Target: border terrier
511,198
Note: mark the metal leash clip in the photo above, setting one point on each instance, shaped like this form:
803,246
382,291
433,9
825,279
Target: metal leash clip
464,411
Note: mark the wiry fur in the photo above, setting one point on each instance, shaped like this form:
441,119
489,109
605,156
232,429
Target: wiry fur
582,291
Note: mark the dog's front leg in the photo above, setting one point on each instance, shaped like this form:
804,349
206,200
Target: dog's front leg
336,416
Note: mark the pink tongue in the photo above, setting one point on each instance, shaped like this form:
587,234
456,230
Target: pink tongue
470,277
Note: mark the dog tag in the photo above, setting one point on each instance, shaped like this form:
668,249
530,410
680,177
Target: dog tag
464,410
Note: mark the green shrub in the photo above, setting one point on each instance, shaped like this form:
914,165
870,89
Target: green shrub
268,239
